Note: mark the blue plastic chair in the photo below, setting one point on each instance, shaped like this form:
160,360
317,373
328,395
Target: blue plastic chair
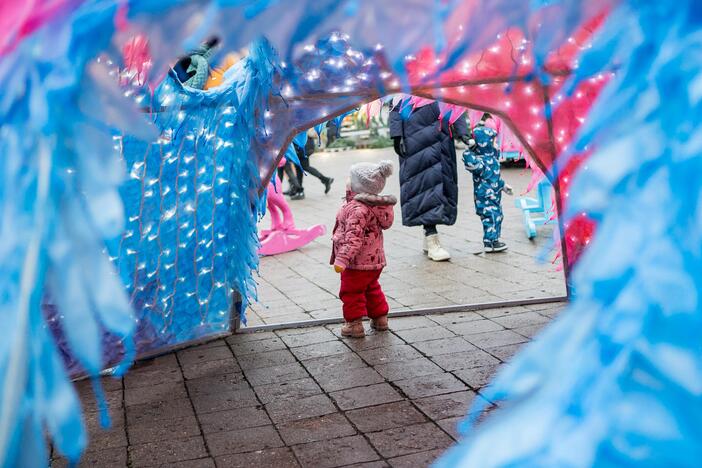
536,211
506,156
510,156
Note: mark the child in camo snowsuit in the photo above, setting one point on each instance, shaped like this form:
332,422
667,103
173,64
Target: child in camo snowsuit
482,160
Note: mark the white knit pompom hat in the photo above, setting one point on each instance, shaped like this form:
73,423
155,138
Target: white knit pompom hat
370,177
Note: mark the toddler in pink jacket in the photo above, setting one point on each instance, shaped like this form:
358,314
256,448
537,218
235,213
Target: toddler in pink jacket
358,252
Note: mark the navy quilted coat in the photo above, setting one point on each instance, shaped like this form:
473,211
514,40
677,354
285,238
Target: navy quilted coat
428,171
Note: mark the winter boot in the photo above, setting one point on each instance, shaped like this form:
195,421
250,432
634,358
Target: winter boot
380,323
433,249
353,329
327,184
494,246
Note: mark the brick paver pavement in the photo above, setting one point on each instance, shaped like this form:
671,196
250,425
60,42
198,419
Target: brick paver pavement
301,285
306,397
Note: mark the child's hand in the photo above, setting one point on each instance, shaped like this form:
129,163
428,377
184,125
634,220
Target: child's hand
338,268
508,189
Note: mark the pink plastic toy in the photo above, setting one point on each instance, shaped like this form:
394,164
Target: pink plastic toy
283,236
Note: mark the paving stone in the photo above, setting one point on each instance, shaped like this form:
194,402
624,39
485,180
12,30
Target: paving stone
476,377
505,353
223,401
275,457
416,460
413,335
455,318
531,331
428,385
282,373
389,354
231,420
365,396
450,426
464,360
387,416
287,390
550,313
335,452
315,429
167,451
333,364
521,320
409,439
308,337
348,378
197,370
108,438
308,407
243,440
294,318
495,339
109,458
443,346
164,429
93,421
328,348
406,323
239,338
155,393
200,355
401,370
258,346
268,359
217,384
199,463
551,307
503,311
113,400
153,371
447,405
158,411
374,340
374,464
474,326
110,383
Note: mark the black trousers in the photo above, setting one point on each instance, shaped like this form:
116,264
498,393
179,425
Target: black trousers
295,185
430,229
305,163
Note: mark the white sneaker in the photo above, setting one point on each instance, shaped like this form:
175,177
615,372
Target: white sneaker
433,249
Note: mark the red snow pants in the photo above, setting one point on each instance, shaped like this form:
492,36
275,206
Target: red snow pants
361,294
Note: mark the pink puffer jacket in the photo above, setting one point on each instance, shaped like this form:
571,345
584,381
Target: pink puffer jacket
358,233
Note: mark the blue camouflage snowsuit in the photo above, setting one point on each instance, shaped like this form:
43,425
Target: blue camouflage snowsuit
482,160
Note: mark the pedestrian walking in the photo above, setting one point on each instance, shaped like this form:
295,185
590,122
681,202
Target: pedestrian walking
304,151
358,253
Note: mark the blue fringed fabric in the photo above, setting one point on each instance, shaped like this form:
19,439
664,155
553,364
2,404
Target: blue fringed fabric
617,379
59,202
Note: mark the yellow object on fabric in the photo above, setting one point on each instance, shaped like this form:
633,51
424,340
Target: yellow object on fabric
217,74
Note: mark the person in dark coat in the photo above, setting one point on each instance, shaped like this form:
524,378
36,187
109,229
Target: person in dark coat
428,171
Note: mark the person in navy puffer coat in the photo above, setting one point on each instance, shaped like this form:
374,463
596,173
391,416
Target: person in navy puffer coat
428,171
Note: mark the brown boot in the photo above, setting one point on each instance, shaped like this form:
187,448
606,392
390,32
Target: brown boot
353,329
380,323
